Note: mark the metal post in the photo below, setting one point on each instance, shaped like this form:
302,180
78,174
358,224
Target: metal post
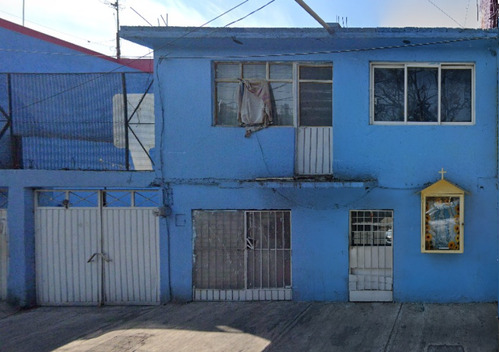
118,51
15,142
125,119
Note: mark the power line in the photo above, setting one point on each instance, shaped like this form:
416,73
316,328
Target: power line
440,9
57,31
122,66
251,13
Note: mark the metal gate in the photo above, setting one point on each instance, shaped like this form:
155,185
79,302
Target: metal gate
4,254
370,255
96,247
241,255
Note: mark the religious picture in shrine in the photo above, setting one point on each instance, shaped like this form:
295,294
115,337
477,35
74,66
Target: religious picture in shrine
442,218
442,223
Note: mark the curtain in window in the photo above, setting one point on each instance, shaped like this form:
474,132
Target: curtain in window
255,109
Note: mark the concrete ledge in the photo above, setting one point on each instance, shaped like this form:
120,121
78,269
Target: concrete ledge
277,182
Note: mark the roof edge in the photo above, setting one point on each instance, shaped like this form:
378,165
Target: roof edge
131,63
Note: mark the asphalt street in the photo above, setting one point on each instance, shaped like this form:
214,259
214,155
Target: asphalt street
254,326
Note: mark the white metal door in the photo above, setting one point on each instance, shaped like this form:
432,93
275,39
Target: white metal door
370,255
314,151
95,247
4,254
131,242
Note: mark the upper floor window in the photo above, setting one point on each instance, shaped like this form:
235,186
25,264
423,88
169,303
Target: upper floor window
292,93
422,93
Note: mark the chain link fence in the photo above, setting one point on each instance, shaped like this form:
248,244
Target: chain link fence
87,121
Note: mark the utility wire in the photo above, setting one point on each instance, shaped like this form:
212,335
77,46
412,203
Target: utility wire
251,13
250,56
57,31
440,9
122,66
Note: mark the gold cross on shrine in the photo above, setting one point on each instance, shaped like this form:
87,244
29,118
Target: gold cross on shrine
442,172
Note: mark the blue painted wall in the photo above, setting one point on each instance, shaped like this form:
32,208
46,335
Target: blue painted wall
200,160
28,54
201,167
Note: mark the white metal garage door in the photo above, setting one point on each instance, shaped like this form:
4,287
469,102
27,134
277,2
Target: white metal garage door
96,247
4,254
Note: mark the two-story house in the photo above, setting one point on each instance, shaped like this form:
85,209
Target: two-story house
302,165
286,164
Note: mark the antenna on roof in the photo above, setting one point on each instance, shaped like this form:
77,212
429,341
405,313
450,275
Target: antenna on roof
165,20
23,13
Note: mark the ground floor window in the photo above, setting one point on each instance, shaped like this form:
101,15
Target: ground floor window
242,255
371,227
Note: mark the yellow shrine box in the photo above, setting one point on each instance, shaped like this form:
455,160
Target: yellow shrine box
442,218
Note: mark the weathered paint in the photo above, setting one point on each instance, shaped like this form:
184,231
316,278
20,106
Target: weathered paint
204,163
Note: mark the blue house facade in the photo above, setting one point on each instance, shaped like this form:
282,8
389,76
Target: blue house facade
293,160
72,166
286,164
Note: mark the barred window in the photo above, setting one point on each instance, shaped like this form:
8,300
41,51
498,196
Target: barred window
371,227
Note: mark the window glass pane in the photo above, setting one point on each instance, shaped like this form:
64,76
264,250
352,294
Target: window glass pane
83,199
315,72
147,198
422,94
283,103
280,71
371,227
315,104
117,199
227,71
52,199
254,71
456,95
227,106
389,94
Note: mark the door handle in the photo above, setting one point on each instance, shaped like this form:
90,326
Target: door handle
104,257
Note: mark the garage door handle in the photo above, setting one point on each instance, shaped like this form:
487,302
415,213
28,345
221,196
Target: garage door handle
106,259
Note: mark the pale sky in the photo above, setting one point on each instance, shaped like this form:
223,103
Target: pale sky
92,23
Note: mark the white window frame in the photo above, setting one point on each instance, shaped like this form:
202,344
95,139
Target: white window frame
405,66
295,81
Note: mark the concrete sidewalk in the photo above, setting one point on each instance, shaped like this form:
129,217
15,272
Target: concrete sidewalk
255,326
